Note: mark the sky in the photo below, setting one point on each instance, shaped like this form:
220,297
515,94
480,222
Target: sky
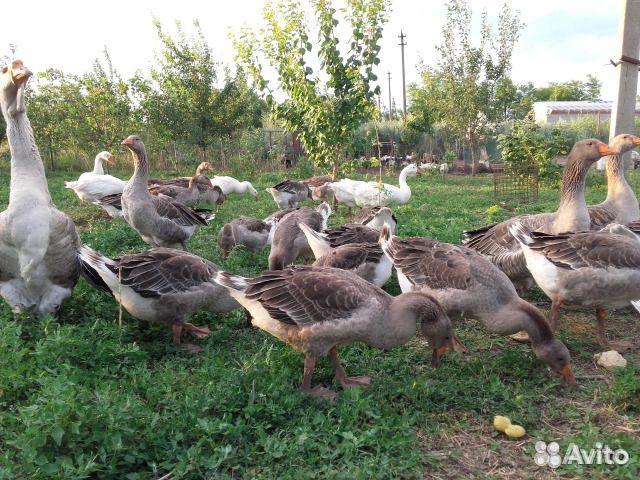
562,39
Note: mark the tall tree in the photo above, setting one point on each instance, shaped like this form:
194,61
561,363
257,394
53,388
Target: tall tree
323,109
180,103
470,73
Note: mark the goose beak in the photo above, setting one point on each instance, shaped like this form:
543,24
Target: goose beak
605,150
225,253
438,353
418,171
19,73
567,376
635,140
110,159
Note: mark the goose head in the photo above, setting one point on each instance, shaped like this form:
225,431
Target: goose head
12,84
411,170
624,142
249,188
105,156
557,357
200,179
203,167
590,150
134,143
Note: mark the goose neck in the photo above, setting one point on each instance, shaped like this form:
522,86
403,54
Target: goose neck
27,169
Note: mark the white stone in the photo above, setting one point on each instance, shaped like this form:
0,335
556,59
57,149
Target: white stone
610,360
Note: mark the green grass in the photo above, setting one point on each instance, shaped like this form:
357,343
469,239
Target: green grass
82,397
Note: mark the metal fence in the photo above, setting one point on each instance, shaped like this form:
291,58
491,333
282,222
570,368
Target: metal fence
520,186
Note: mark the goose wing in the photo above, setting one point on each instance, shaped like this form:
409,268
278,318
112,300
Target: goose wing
429,262
162,271
588,250
304,295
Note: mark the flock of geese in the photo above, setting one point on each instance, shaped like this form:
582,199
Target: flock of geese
338,299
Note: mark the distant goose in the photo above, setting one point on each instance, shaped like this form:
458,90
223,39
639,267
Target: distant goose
161,222
288,194
93,185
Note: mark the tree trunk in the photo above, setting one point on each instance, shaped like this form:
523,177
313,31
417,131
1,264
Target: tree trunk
53,166
223,157
474,158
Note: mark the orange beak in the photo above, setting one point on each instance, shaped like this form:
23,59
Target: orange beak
225,253
419,171
635,140
20,73
110,159
605,149
567,376
127,141
438,353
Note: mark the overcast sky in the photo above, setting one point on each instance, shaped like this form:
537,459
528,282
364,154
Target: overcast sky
562,40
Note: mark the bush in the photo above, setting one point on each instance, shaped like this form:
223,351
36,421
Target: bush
527,147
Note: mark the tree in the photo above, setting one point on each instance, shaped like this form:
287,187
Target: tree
105,108
423,100
326,108
470,74
54,111
180,101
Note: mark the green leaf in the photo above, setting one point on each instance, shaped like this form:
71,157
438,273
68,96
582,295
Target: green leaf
57,433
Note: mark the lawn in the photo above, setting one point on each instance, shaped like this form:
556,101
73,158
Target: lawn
83,396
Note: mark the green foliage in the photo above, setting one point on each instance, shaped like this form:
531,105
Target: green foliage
468,75
323,113
526,147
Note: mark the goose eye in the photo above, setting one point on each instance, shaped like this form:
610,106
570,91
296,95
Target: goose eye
590,143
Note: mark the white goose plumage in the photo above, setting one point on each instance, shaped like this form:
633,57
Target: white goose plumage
38,243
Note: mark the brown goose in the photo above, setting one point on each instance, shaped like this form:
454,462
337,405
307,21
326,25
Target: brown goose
497,242
183,181
316,309
249,232
364,259
592,269
465,282
289,193
162,285
38,243
317,181
288,240
621,204
187,196
161,222
212,196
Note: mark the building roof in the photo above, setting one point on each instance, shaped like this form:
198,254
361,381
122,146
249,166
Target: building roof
577,107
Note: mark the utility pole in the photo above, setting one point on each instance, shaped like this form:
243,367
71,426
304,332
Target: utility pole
626,63
402,43
389,80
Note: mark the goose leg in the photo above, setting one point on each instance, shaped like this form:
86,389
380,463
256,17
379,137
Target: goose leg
177,334
601,314
318,390
554,314
198,332
346,382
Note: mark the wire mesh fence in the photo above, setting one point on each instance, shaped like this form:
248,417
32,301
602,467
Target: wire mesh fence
516,185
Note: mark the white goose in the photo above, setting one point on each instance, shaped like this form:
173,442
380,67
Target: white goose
94,185
38,243
371,194
231,185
